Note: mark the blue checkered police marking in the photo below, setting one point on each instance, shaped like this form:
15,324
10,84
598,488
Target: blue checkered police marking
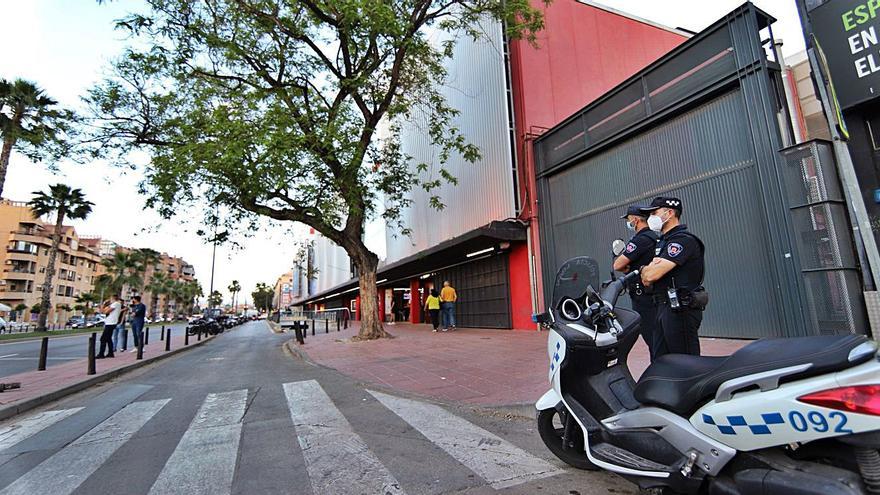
555,358
756,429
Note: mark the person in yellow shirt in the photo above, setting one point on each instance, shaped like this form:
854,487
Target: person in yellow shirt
448,297
432,306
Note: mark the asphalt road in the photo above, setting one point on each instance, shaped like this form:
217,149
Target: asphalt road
238,415
18,357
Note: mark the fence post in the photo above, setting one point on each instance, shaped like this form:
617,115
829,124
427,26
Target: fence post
91,370
44,350
168,340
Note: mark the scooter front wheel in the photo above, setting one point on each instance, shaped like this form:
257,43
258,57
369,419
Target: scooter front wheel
551,427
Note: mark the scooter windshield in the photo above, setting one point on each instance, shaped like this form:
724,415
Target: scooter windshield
574,277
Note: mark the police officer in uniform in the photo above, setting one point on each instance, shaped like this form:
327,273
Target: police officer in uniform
676,275
640,251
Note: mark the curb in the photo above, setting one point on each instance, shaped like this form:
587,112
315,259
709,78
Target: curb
291,348
24,406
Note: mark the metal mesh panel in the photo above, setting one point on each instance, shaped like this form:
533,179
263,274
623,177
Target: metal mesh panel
823,238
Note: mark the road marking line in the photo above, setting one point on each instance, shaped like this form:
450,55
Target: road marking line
8,356
204,459
496,460
34,358
337,459
62,473
28,427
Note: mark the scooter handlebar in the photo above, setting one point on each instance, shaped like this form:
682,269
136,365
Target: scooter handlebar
612,292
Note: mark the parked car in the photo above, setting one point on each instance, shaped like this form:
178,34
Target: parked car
76,322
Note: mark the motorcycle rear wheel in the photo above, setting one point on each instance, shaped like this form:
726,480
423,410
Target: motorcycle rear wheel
551,427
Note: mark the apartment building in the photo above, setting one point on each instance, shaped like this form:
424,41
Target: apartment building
283,291
26,256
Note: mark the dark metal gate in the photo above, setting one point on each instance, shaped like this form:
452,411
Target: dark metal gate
702,123
483,288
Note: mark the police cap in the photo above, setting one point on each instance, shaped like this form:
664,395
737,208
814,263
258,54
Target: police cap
635,210
664,202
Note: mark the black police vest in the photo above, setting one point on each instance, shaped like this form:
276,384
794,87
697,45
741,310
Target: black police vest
688,276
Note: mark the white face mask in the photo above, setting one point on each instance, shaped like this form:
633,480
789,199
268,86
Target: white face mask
655,223
630,226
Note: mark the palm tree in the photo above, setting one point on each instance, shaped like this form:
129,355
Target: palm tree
64,202
192,289
124,270
234,288
215,299
30,122
157,287
85,302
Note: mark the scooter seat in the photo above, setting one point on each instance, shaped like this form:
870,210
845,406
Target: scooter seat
681,383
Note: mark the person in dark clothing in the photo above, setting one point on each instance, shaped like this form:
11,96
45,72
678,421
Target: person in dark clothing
676,275
640,251
138,316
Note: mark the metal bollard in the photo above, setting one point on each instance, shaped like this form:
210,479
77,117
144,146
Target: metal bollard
44,351
326,326
337,324
124,338
147,336
140,353
313,327
162,334
297,329
168,340
91,370
185,337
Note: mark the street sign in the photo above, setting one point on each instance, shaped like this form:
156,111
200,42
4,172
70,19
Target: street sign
848,32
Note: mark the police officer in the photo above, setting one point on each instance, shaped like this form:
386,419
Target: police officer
676,275
640,251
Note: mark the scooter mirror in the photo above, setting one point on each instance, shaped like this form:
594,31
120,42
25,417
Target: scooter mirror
617,247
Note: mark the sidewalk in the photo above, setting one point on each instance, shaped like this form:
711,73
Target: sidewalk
40,387
474,366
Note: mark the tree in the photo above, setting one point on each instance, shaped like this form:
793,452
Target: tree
215,299
20,308
271,109
31,123
262,296
64,202
234,288
86,301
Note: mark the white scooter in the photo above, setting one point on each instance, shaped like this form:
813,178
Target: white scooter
779,416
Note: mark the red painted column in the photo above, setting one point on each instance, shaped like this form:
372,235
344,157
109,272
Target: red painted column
381,304
357,308
415,302
520,289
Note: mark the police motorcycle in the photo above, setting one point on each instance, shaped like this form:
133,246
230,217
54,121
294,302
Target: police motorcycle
779,416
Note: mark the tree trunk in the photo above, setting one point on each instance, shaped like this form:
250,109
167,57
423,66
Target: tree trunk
371,324
46,300
8,143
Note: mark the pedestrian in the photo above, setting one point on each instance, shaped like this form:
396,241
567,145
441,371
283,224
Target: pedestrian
676,274
393,312
432,306
448,297
138,316
640,251
113,309
120,333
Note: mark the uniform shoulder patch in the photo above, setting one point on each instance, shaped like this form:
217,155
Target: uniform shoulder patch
674,249
630,247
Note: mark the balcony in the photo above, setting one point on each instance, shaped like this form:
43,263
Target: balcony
18,274
20,254
32,237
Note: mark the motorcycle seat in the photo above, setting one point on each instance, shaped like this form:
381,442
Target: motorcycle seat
681,383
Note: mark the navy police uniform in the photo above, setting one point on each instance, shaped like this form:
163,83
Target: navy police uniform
640,250
679,313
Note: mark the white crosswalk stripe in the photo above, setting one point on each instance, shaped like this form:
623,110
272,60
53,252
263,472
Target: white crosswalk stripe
337,459
496,460
15,433
63,472
204,460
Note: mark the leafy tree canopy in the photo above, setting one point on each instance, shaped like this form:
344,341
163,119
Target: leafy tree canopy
290,109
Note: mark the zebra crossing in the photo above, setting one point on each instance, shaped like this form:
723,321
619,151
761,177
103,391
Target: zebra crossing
205,459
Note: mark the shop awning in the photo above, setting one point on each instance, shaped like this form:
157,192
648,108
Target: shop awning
484,241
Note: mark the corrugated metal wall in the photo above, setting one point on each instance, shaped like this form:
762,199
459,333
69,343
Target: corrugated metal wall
332,263
483,292
683,157
476,87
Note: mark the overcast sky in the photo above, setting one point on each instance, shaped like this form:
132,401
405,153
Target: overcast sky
65,45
